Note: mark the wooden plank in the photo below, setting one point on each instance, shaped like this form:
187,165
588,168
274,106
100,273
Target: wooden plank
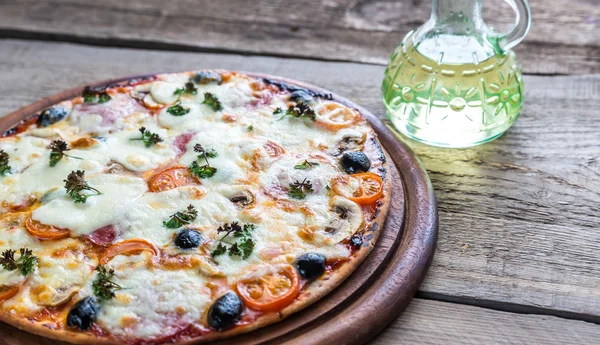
427,322
518,216
561,40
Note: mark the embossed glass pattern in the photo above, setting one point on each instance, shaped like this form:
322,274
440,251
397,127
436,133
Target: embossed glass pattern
454,82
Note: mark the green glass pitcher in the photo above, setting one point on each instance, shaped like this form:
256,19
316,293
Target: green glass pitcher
454,82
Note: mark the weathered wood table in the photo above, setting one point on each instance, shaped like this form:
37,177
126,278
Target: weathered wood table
518,257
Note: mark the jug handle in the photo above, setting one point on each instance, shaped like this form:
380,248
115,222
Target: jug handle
522,25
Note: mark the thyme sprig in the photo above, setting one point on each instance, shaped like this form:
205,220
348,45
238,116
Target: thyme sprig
4,163
181,218
189,88
25,263
57,151
298,190
306,165
104,288
212,101
177,109
148,137
95,95
242,244
205,170
298,110
75,185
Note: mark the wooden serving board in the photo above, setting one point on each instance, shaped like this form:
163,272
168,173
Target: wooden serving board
378,290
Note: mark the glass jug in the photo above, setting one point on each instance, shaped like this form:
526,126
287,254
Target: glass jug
454,82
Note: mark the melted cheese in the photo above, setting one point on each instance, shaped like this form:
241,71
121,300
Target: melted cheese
257,154
145,217
134,155
118,192
23,151
154,302
40,179
234,148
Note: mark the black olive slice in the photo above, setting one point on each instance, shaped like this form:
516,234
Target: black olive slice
207,77
188,239
51,116
355,162
225,311
83,313
311,265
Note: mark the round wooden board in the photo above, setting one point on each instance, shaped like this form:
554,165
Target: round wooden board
379,289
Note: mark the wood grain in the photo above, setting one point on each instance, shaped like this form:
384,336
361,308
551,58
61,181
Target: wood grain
518,216
404,243
561,41
427,322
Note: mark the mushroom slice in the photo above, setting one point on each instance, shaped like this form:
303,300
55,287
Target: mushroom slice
239,195
350,140
150,103
140,91
61,275
347,218
52,298
209,268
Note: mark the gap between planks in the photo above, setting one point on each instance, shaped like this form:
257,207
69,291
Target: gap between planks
175,47
507,307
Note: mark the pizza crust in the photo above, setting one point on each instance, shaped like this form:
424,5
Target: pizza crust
309,295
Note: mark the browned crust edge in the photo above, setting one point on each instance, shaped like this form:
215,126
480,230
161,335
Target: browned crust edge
316,290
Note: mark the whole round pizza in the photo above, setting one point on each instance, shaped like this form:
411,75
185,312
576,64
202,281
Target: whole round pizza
183,207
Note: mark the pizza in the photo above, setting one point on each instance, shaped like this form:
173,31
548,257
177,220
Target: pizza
184,207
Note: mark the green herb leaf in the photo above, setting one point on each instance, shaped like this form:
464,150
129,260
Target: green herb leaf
103,97
189,88
209,153
245,231
277,111
148,137
58,148
104,288
206,170
242,246
305,165
182,218
202,171
300,110
25,263
219,250
4,163
75,185
177,110
246,246
95,95
234,250
250,128
212,101
298,190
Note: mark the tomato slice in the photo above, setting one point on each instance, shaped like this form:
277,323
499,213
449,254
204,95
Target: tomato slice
7,292
271,292
334,116
171,179
364,189
133,246
45,232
